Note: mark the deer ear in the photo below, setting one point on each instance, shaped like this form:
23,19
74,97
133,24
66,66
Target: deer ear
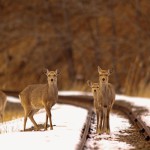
99,69
46,71
57,72
89,83
110,71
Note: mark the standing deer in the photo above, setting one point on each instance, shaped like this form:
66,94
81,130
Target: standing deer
108,97
97,104
37,96
3,101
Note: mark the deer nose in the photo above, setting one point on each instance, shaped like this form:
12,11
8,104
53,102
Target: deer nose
94,90
103,79
52,80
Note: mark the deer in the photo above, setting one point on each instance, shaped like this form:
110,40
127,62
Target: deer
107,92
95,87
3,101
37,96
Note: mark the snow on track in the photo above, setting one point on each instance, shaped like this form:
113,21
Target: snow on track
68,123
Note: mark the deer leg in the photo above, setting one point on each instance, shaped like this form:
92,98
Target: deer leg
97,115
98,125
108,125
104,123
1,116
101,122
35,124
25,118
46,123
32,119
50,118
48,112
105,119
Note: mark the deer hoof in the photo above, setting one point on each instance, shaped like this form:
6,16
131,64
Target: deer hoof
99,132
108,131
36,129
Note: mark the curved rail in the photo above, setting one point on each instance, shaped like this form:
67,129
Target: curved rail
142,128
85,131
78,100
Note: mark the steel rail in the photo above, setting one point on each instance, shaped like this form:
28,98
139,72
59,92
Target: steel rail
136,120
85,131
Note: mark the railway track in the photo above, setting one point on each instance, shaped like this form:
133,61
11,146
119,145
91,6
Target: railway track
86,100
136,120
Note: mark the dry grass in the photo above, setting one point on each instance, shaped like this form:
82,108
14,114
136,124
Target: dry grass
144,90
137,82
13,111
